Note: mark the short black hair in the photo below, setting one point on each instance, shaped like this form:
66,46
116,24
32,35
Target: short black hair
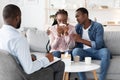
61,11
11,11
83,10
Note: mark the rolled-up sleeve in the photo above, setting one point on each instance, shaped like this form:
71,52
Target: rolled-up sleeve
93,44
54,38
99,41
54,41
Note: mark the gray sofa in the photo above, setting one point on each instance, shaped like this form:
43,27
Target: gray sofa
111,37
112,41
10,70
37,39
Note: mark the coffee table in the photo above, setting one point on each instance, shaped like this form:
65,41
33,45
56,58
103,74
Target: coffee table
80,67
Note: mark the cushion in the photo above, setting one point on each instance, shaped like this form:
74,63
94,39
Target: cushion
112,41
37,40
23,30
9,69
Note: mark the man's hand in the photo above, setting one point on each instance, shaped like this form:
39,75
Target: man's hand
33,57
77,37
50,57
60,31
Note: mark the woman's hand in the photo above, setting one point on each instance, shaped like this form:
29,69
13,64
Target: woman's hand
60,31
66,28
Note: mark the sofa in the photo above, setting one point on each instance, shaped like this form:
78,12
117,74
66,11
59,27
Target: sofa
38,39
112,41
11,70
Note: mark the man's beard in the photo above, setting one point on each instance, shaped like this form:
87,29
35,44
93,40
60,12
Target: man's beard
18,25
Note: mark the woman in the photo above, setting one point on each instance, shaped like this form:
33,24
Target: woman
60,34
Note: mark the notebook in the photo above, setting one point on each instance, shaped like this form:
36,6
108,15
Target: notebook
39,55
55,60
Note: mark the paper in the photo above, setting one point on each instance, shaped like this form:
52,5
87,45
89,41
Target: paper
40,55
55,60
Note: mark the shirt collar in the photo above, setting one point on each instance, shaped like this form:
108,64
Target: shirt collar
9,27
87,28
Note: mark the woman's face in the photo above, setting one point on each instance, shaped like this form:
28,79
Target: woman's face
62,18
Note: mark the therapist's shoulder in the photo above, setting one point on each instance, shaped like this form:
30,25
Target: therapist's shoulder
19,40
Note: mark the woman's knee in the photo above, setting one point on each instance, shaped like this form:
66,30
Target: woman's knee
57,54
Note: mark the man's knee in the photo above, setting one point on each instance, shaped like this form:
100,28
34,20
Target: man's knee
105,53
76,51
61,65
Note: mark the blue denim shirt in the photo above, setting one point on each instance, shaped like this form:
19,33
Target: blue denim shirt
96,34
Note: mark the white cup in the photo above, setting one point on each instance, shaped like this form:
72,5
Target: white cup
76,58
88,60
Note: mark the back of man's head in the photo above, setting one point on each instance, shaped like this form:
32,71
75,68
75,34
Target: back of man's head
11,11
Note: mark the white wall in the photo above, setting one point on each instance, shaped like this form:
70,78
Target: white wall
33,13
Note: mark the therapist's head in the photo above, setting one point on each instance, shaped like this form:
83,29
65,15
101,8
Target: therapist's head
12,15
61,16
82,15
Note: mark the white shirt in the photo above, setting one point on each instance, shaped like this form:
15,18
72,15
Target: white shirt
86,37
13,42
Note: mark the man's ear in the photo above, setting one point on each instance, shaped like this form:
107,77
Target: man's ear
86,15
17,18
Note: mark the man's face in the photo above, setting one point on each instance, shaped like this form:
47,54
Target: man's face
80,17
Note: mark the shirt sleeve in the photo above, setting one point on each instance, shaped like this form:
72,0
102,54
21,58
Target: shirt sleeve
69,39
22,52
54,39
99,41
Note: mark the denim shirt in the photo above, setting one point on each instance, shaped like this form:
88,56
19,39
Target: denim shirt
96,34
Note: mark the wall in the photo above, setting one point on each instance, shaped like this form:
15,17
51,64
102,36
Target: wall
33,13
106,15
109,14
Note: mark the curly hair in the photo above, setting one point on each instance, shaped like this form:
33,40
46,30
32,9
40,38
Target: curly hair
61,11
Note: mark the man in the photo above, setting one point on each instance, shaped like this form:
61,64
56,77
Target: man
90,43
17,45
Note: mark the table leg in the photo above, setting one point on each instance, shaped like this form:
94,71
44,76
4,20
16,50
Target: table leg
66,76
95,75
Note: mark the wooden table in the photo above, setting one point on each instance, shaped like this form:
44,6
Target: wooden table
80,67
